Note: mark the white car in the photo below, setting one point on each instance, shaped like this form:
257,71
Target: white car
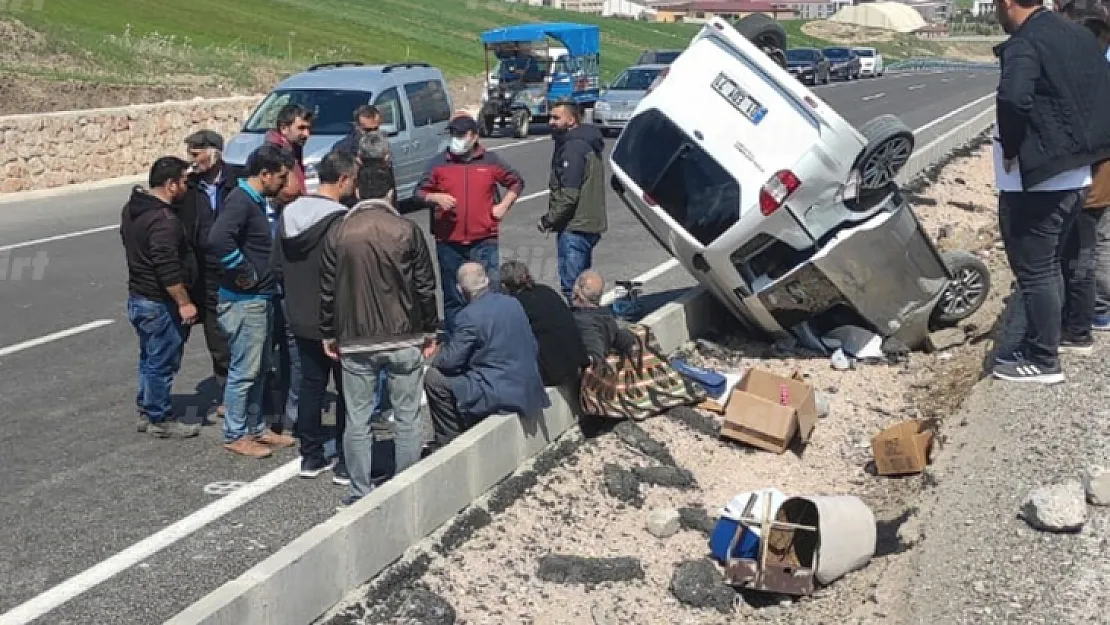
745,176
870,62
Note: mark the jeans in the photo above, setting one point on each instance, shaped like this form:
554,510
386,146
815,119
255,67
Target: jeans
1079,274
161,345
447,420
247,324
451,256
404,368
1034,227
284,376
575,256
316,368
1102,264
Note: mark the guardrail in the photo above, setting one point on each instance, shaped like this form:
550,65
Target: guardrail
930,64
308,577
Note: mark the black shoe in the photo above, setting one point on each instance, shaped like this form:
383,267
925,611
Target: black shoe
1076,345
1007,357
313,467
1028,372
339,474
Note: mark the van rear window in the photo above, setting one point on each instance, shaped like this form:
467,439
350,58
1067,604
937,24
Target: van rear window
679,176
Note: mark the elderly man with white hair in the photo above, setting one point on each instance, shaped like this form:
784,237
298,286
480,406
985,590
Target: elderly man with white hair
489,364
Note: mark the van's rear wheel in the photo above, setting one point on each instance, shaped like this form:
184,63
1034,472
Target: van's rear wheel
765,33
889,146
965,294
520,124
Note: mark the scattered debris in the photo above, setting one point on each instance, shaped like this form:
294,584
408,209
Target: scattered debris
839,361
1056,508
416,606
769,411
1096,481
903,448
664,522
945,339
562,569
698,583
970,207
635,437
695,420
671,477
697,520
622,484
822,402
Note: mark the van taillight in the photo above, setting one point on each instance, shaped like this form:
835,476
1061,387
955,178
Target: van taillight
776,190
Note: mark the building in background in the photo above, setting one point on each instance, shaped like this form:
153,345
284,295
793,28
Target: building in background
584,6
817,9
629,9
708,9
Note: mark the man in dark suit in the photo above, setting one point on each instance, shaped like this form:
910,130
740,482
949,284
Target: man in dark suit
488,366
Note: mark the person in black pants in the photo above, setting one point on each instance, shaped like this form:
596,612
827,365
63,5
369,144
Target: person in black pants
1080,264
303,228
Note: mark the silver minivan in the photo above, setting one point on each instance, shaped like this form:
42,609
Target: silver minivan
412,98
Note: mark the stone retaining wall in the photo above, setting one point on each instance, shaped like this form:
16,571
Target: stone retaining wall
40,151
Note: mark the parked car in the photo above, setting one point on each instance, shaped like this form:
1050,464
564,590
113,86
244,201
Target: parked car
412,98
620,98
782,209
808,65
844,63
870,62
658,57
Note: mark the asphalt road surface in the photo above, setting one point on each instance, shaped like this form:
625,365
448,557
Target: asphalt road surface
82,488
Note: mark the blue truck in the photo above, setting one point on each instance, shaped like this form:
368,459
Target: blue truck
529,75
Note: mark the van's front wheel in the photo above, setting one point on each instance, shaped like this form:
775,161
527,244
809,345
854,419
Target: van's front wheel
766,34
889,146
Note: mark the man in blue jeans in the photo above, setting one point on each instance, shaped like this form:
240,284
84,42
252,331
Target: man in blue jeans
161,270
242,241
576,206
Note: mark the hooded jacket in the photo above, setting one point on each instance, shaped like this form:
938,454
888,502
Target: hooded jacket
302,231
577,200
159,253
473,180
377,282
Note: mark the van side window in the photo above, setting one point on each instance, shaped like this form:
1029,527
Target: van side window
428,100
389,105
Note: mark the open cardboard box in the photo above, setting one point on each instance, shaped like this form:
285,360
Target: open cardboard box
757,415
903,448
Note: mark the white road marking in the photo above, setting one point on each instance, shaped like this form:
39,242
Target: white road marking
915,87
59,237
645,277
91,577
875,96
946,80
42,340
532,196
946,116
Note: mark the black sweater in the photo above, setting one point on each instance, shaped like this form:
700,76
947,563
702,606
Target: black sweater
241,239
159,254
562,353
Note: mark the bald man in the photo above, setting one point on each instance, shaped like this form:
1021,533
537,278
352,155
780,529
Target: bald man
597,325
488,365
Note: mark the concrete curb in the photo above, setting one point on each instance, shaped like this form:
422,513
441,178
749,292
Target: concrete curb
316,571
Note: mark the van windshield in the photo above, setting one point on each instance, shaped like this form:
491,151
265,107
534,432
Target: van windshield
679,176
635,80
798,55
333,109
865,52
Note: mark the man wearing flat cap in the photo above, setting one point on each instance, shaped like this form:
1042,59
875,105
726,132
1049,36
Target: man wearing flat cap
463,186
210,180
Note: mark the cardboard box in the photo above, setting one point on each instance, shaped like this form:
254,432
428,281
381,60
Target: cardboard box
902,449
755,414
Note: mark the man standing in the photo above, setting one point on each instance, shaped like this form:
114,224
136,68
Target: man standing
303,228
368,120
489,366
378,312
576,206
463,185
208,187
161,269
242,240
293,127
1051,131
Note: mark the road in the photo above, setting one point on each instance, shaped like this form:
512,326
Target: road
83,488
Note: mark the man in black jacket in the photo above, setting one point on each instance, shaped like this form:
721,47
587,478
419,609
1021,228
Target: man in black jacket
303,227
601,334
161,270
1053,86
241,239
208,186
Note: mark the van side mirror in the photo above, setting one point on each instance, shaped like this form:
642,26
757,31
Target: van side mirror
390,130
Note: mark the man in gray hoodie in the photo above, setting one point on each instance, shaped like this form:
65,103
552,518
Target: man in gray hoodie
304,226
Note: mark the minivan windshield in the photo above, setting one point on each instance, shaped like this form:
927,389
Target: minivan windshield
679,176
800,55
333,109
839,53
635,80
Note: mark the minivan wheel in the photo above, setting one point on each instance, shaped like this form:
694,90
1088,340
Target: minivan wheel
520,125
966,292
889,146
765,33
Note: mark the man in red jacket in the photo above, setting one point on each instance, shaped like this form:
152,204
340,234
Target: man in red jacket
294,126
463,185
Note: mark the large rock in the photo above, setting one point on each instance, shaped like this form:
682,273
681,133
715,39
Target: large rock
698,583
1056,508
1096,481
664,522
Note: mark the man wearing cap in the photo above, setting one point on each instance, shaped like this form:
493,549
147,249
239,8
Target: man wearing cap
463,186
210,181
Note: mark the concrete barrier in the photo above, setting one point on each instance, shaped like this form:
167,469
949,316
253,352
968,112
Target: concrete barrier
305,579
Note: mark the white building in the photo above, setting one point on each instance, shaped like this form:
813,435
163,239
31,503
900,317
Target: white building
626,8
983,7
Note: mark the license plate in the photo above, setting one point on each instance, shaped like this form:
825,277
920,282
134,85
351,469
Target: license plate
620,117
738,98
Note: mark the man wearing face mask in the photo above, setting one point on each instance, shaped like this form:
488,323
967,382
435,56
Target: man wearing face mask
463,185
